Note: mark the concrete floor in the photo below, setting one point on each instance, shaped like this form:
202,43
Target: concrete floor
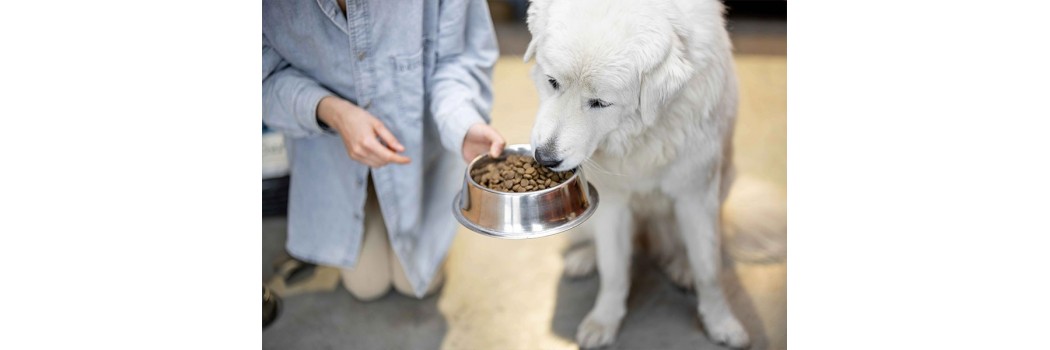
512,295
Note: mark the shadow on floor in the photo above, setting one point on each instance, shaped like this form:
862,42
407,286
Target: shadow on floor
659,314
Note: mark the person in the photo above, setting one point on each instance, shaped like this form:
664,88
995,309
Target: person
383,102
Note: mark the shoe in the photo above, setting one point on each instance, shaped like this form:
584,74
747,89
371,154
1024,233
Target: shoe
271,307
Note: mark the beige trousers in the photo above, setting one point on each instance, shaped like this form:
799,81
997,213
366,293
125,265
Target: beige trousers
377,265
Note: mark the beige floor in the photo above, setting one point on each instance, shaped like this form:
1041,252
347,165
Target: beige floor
520,279
511,294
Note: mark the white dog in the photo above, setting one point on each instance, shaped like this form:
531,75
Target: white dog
643,94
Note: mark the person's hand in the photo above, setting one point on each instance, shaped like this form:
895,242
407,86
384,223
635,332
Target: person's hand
482,138
361,133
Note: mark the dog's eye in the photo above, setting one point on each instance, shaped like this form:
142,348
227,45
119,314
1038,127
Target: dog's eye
596,103
554,83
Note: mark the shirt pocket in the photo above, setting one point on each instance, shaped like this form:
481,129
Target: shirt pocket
408,78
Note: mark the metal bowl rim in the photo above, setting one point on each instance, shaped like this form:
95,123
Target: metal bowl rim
592,196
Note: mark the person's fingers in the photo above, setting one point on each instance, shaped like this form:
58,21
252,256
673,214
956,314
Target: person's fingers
383,154
357,153
375,151
397,158
361,153
388,137
497,142
374,162
365,157
371,162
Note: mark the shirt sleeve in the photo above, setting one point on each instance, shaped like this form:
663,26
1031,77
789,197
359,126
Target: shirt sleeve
289,97
461,89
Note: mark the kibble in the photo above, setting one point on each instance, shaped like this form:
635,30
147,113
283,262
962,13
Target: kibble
517,173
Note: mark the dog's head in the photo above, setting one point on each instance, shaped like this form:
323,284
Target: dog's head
604,71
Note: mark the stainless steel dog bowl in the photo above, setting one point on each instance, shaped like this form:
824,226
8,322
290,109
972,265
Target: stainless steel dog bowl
523,215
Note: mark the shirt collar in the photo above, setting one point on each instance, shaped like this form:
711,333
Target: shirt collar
331,9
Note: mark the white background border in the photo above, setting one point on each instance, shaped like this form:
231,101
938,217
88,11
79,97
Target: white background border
918,179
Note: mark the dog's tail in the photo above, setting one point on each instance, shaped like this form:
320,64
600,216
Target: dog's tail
754,221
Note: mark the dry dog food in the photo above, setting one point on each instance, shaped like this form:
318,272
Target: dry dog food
518,174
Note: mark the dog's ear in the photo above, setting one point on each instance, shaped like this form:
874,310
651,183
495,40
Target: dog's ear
664,81
537,22
531,50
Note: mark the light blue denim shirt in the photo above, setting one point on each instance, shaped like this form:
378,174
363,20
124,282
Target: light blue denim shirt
424,68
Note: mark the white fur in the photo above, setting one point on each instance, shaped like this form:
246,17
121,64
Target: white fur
660,154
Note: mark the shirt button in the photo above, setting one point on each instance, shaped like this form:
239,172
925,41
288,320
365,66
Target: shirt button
368,104
360,182
361,56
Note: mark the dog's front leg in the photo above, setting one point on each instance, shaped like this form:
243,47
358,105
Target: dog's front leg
698,222
611,225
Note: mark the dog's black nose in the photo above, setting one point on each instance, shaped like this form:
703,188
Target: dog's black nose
545,156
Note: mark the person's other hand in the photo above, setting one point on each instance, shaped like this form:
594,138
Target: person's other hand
482,138
361,133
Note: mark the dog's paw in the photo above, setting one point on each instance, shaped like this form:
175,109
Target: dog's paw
580,262
678,270
594,333
726,331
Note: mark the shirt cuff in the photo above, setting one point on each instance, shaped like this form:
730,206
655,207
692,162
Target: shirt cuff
306,101
455,126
